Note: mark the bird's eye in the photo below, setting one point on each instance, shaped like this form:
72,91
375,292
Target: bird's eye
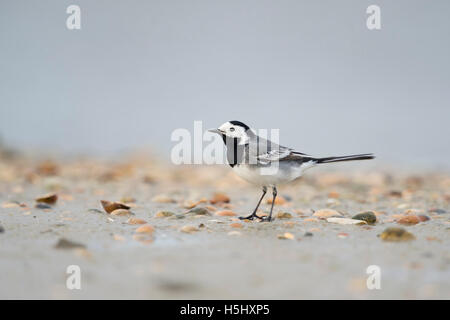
231,129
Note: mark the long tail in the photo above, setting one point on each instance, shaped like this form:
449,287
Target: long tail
366,156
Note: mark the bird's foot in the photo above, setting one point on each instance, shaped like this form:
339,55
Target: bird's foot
266,219
251,217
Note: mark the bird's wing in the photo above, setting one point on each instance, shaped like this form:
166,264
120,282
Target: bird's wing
266,151
275,154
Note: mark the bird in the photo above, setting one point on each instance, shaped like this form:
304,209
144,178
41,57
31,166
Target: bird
266,164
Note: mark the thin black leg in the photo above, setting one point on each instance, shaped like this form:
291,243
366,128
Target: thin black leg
274,193
254,215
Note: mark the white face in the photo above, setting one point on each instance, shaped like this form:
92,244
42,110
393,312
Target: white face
233,131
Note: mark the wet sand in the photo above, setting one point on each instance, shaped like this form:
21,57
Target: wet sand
302,256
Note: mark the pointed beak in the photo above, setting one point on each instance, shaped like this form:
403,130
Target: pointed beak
216,131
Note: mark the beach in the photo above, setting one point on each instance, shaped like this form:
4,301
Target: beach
175,233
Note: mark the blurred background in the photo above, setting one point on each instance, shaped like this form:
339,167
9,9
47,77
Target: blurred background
137,70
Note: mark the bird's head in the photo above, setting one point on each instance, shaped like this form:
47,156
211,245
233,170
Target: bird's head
235,130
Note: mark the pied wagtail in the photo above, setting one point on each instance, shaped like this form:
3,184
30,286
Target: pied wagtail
265,163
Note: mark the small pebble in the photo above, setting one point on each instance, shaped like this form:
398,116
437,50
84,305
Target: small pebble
164,214
368,217
395,193
408,220
308,234
68,244
236,225
396,235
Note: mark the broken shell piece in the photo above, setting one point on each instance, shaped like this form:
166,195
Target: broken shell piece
120,212
143,238
161,198
128,200
189,229
111,206
135,220
118,237
283,215
47,168
189,204
342,235
198,212
345,221
48,199
225,213
311,220
333,194
10,205
219,198
423,218
326,213
286,235
145,229
211,208
278,200
83,253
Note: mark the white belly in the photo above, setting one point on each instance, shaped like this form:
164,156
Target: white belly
272,175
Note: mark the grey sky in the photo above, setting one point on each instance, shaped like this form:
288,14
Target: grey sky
139,69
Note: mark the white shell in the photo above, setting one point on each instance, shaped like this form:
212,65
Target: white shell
345,221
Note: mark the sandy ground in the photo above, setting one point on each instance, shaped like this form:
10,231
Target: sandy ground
224,258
